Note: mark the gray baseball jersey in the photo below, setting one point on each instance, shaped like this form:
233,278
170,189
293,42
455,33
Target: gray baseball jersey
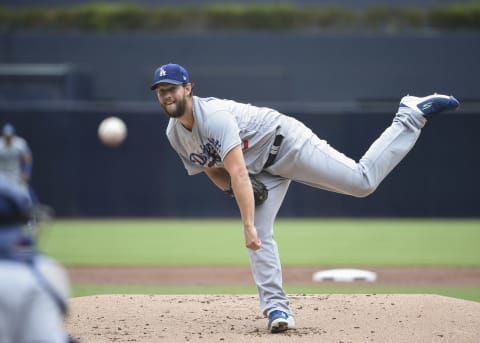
11,156
28,313
219,126
302,156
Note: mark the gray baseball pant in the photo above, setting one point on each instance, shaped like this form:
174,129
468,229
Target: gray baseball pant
305,158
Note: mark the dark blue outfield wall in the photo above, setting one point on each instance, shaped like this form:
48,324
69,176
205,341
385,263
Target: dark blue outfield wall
78,176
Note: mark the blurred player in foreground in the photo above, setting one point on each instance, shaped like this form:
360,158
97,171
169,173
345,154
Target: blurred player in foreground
239,146
33,288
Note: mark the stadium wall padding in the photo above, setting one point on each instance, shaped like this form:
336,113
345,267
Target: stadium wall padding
345,86
79,177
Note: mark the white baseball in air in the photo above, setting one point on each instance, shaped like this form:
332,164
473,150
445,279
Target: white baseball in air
112,131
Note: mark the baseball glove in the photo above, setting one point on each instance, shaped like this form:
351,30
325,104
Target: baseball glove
260,191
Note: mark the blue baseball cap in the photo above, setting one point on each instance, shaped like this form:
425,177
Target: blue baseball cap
170,73
8,130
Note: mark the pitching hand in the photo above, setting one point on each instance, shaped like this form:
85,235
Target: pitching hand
251,238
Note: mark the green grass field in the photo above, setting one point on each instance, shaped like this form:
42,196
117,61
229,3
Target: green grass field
305,242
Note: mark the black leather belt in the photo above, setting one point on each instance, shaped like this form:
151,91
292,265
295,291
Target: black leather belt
273,151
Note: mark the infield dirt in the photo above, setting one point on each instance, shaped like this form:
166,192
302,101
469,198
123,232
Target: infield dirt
237,318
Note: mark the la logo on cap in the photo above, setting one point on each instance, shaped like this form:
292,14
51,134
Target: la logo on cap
162,72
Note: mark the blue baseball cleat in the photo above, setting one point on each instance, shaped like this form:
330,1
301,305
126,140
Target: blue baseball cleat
279,321
430,105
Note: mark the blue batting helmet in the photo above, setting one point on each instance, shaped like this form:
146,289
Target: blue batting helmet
15,204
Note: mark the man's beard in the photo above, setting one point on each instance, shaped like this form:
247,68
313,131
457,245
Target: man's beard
179,111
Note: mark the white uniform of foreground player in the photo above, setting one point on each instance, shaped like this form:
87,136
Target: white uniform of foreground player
229,140
33,288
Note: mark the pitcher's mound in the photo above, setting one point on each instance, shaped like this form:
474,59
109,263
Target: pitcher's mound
235,318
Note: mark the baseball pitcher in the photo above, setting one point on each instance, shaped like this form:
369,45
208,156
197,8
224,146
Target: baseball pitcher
253,153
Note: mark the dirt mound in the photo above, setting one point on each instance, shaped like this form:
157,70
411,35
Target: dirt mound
235,318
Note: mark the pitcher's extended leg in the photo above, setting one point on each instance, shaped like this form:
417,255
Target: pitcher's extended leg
314,162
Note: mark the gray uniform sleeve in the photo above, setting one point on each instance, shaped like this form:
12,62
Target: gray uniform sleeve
223,128
24,148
